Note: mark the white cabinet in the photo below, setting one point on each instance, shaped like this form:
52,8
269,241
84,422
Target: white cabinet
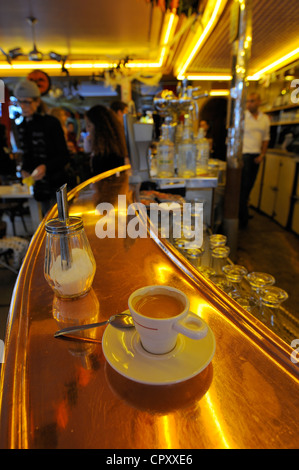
284,190
275,187
270,184
254,199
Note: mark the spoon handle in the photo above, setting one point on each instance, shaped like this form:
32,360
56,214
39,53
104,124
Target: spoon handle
72,329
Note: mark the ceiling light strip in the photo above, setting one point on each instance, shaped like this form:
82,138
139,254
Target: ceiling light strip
276,64
209,77
168,28
57,66
203,35
219,93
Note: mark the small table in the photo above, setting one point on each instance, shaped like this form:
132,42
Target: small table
17,191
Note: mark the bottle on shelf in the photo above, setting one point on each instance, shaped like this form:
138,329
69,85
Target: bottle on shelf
186,164
165,154
202,152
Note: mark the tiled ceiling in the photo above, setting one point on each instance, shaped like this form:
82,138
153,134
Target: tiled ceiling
112,30
275,32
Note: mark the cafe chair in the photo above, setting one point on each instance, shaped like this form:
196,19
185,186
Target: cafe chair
13,209
12,252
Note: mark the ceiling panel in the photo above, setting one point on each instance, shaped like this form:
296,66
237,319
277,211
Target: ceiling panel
215,54
275,26
83,29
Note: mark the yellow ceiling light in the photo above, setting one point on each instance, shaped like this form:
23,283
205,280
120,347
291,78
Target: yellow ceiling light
56,66
140,65
208,77
277,64
170,21
29,66
219,93
89,65
213,8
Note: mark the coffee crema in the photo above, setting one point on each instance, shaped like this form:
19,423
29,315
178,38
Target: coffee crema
159,306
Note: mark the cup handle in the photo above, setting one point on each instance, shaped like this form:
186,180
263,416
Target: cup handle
199,332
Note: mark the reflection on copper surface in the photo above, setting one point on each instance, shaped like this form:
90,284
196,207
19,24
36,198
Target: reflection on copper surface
79,311
160,399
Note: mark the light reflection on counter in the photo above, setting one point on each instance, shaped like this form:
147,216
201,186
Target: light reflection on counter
163,272
167,432
215,419
82,212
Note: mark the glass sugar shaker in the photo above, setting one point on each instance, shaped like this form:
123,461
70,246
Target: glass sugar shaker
69,265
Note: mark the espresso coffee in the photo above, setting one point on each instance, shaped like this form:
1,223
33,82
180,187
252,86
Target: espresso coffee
159,306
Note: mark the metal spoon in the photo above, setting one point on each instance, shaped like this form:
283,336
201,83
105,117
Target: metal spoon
120,321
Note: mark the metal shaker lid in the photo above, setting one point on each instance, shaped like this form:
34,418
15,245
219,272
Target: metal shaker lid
56,226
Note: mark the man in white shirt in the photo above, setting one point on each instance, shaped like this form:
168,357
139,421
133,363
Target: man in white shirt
255,143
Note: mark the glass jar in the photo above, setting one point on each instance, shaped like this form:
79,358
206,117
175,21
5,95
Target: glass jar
69,265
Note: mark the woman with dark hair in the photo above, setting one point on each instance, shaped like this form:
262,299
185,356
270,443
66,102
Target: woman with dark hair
107,140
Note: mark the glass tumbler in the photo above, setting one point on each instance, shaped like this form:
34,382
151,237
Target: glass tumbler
206,271
194,256
234,274
258,280
215,241
69,265
219,260
180,244
271,298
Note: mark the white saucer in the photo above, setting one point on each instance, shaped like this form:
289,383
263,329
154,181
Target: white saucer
124,352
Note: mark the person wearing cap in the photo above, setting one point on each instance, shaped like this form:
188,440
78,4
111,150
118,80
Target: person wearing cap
42,141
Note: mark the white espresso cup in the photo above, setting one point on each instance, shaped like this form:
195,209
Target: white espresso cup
159,314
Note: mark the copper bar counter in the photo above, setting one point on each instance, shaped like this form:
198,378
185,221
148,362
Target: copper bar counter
63,394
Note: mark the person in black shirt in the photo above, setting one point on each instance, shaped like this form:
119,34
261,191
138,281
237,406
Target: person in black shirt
107,140
42,141
120,108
